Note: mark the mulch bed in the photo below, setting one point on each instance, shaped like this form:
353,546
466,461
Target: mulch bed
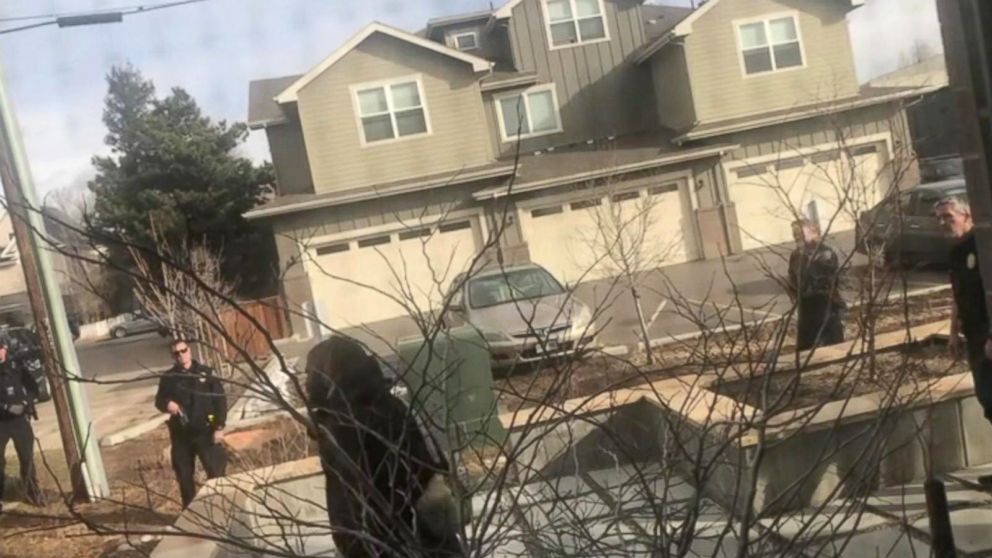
556,381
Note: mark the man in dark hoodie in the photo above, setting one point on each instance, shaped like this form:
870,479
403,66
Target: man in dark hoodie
379,468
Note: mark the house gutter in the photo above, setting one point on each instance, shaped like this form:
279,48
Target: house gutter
495,193
802,114
374,193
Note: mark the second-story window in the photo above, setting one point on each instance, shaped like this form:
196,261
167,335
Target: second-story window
391,110
770,45
573,22
468,40
528,114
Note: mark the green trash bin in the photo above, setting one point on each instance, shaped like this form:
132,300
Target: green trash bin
450,381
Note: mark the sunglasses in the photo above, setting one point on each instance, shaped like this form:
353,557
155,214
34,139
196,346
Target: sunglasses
180,352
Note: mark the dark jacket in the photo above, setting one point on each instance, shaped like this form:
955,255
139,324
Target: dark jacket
969,292
376,459
17,387
814,276
198,393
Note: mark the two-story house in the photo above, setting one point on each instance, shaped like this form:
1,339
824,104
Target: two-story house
400,153
14,306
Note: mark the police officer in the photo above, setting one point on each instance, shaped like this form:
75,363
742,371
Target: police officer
195,398
18,391
968,313
813,274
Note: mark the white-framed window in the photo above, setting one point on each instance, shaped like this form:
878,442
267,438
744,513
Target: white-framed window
575,22
770,44
391,110
466,40
529,113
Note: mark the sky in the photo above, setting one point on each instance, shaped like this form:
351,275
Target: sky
214,48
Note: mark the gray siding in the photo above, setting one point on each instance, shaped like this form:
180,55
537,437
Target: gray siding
672,88
289,157
492,45
600,92
719,86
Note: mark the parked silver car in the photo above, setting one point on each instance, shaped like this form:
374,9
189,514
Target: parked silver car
524,313
138,323
905,226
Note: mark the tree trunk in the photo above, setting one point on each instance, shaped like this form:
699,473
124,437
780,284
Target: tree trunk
645,338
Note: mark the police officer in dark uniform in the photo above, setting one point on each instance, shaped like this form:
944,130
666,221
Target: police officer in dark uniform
194,396
813,276
18,392
968,314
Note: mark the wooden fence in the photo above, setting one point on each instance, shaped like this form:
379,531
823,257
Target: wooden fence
247,336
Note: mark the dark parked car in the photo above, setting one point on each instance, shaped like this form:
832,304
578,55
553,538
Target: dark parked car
25,346
905,227
941,169
138,323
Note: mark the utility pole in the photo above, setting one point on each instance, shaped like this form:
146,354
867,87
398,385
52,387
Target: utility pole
58,354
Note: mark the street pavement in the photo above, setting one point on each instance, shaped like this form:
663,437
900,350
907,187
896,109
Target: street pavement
120,386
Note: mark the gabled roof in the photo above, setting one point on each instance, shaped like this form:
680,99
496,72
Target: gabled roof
659,19
684,27
444,21
289,95
262,107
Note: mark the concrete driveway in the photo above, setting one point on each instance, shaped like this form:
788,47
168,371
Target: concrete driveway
741,288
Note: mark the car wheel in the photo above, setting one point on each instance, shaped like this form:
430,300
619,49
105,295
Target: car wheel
118,332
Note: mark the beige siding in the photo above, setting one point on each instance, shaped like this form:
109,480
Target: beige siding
458,136
289,157
719,87
672,89
600,91
880,119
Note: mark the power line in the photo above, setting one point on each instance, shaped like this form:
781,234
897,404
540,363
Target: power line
72,19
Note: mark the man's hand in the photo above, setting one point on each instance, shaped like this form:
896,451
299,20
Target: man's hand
172,407
954,346
218,436
988,349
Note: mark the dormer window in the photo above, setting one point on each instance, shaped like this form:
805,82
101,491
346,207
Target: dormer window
770,44
465,41
575,22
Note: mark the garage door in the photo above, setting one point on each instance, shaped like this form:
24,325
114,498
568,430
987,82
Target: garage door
353,280
831,186
591,238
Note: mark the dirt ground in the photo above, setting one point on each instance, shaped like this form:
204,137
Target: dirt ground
144,495
791,390
578,377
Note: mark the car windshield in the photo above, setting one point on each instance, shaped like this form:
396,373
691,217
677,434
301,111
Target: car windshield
512,286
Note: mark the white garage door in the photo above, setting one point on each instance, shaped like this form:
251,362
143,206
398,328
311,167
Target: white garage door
591,238
831,186
353,281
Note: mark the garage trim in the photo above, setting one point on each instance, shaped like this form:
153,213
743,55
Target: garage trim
390,228
623,186
733,166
